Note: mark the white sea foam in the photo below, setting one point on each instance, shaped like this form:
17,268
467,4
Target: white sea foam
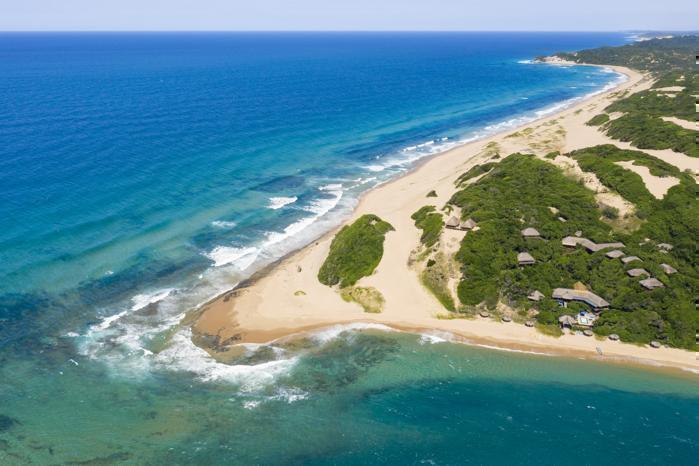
375,168
279,202
142,300
318,208
108,321
223,224
242,258
183,355
327,334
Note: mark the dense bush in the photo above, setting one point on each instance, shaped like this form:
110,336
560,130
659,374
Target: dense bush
354,252
597,120
430,222
475,171
518,193
647,132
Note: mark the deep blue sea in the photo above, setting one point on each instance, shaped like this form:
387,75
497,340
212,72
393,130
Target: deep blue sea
142,174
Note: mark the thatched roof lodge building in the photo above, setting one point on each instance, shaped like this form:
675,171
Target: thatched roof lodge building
668,269
524,258
591,246
536,295
563,295
665,247
637,272
651,283
468,224
531,233
453,222
628,259
615,254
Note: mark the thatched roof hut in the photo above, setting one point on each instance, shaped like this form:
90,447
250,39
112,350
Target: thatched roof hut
529,323
531,233
665,247
587,297
655,344
484,314
587,332
637,272
536,295
506,318
651,283
628,259
453,222
524,258
613,337
668,269
468,224
566,321
615,254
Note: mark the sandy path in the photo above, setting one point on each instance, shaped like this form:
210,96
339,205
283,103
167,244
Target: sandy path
692,125
271,307
656,185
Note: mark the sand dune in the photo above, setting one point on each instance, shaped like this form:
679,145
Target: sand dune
271,307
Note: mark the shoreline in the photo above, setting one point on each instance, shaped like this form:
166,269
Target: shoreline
266,306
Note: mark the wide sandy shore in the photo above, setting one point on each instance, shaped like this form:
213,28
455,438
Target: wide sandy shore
287,297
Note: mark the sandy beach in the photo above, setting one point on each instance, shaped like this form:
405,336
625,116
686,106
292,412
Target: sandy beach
287,298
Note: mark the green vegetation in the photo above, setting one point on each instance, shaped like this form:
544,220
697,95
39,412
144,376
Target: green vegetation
299,293
656,55
430,222
432,193
354,252
648,132
672,63
518,193
435,277
369,298
475,171
597,120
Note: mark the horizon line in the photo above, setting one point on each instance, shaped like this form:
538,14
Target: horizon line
337,30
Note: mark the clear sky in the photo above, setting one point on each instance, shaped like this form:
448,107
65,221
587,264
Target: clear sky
560,15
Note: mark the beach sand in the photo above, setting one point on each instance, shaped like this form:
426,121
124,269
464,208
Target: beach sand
271,305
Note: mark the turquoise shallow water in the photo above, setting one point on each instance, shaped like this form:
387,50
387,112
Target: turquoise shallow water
352,397
141,174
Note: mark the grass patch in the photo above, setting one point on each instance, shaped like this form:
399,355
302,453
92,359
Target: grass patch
299,293
435,278
355,252
475,171
371,299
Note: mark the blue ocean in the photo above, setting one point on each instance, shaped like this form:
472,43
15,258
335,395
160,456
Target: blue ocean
142,174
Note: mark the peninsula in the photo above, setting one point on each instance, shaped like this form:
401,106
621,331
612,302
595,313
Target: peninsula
527,240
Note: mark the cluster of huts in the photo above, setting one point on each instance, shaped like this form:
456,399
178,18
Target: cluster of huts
648,282
454,224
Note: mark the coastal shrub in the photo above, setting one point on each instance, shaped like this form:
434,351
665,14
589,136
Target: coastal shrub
597,120
432,193
436,279
648,132
519,193
369,298
430,222
354,252
475,171
612,213
656,55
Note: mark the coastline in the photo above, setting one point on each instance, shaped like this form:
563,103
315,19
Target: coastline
268,307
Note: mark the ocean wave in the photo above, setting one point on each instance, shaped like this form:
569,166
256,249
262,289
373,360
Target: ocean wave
279,202
241,257
375,168
142,300
318,208
183,355
326,334
223,224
